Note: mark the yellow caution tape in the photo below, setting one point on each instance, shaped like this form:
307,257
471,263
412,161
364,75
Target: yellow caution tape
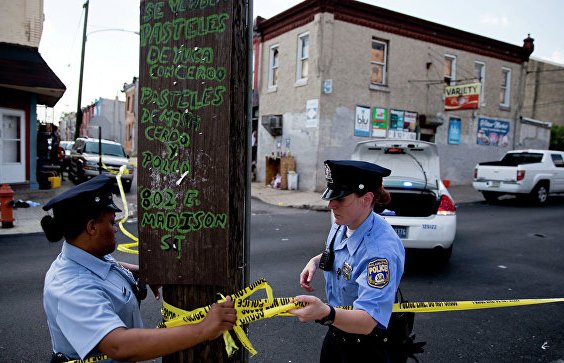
441,306
248,311
132,247
96,358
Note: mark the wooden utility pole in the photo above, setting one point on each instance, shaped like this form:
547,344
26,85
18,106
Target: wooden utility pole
193,154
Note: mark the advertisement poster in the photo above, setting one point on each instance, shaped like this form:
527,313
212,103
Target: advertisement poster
362,121
454,125
396,120
409,121
379,122
493,132
461,97
312,113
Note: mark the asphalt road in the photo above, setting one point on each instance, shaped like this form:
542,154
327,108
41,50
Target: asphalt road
503,251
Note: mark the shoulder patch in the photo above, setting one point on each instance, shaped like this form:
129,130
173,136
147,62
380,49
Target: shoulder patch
378,273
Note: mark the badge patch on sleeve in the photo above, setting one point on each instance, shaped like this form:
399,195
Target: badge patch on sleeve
378,273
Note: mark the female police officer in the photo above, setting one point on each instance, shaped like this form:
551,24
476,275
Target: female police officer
89,297
363,263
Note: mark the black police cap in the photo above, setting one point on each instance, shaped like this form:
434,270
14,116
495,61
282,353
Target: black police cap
345,177
96,193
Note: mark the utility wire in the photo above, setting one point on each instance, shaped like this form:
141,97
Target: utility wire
546,70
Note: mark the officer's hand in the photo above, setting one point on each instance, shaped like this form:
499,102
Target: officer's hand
307,274
221,317
156,292
315,309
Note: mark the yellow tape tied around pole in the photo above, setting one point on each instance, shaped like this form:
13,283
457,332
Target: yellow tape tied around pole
248,311
132,247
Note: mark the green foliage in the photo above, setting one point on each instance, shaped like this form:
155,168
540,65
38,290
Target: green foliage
557,137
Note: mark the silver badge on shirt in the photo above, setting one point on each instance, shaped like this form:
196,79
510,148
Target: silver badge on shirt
347,270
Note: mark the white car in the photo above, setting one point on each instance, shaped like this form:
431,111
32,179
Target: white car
422,211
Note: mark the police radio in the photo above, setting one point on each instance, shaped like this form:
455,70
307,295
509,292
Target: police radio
328,255
326,261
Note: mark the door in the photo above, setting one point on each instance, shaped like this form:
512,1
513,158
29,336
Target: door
558,180
12,146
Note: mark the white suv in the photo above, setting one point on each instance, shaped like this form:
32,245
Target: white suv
85,161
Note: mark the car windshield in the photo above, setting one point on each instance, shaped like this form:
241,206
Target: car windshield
107,149
67,145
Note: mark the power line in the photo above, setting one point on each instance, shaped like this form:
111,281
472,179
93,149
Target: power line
546,70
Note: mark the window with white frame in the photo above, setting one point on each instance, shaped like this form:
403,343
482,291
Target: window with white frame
480,75
505,94
273,66
302,63
449,70
378,62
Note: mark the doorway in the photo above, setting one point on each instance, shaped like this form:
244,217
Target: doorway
12,146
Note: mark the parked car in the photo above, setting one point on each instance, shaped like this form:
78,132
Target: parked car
85,159
422,211
67,147
533,174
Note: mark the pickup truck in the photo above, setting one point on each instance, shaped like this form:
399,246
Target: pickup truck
527,173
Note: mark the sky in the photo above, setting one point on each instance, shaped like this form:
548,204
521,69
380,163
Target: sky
112,46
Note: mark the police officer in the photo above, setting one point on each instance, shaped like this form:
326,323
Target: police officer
363,264
89,298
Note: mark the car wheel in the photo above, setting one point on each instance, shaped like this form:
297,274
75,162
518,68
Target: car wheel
80,178
539,195
490,197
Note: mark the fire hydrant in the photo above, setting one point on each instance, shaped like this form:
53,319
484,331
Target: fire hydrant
6,206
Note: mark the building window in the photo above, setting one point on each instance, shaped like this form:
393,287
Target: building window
302,63
273,67
449,70
378,62
480,75
505,94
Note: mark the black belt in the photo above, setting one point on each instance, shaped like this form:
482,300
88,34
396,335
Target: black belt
350,338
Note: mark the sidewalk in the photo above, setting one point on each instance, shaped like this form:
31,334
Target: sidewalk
28,219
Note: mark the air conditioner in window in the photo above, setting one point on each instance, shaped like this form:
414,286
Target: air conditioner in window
273,124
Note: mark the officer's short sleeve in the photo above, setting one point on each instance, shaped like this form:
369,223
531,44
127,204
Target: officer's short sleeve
377,285
85,316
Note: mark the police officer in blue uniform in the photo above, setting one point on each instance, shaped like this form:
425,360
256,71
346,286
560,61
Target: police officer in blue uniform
363,264
91,300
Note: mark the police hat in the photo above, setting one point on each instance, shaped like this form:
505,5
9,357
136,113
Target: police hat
96,193
345,177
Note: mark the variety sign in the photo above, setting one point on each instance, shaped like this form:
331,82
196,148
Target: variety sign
462,97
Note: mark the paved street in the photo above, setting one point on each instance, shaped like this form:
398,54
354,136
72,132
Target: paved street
504,251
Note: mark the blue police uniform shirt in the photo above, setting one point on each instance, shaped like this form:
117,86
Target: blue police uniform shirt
85,298
367,269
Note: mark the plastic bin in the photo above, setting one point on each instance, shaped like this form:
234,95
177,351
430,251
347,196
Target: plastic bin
55,181
292,180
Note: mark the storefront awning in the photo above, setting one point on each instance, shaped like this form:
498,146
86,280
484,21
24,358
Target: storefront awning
22,68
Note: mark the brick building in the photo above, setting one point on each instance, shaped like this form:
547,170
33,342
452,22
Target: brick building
333,73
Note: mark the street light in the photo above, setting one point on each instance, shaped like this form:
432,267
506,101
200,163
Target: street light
84,37
78,108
